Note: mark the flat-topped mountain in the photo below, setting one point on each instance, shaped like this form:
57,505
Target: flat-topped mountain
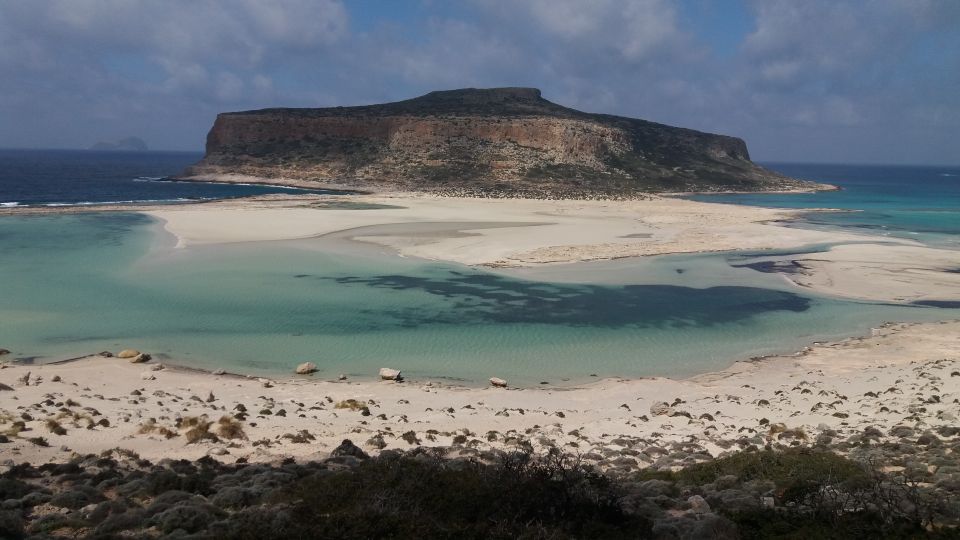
489,142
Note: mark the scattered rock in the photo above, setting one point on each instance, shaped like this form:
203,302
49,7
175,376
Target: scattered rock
218,372
388,374
306,368
347,448
148,376
106,354
698,505
341,377
661,408
4,351
498,382
157,367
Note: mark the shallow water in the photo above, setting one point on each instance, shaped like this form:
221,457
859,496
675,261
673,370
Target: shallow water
77,284
920,203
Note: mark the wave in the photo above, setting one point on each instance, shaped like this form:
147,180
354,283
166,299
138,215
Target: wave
150,179
134,201
947,174
9,204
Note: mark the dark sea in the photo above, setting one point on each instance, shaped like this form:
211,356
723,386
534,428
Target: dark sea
86,177
79,283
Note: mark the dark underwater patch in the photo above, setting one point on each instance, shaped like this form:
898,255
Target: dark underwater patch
488,298
948,304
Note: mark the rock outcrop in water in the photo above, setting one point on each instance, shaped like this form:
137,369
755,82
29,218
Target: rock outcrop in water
488,142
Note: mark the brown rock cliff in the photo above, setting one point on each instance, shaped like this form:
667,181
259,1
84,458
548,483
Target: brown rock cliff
494,142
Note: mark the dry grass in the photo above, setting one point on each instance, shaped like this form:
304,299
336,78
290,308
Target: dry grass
151,426
199,432
39,441
353,405
190,421
16,427
229,427
54,427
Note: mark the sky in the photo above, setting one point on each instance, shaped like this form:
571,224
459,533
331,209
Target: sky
851,81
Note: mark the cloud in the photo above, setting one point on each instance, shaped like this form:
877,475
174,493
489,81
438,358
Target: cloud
812,80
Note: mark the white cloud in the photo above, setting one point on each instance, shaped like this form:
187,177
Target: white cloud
806,71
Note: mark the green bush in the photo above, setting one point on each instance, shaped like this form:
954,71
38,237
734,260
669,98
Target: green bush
419,498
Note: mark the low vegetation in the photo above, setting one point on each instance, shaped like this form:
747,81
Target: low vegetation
788,494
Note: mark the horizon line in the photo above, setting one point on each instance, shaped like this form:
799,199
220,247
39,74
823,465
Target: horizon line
760,161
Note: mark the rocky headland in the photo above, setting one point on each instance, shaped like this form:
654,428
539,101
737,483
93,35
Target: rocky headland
478,142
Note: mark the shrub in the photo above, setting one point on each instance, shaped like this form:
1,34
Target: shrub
200,432
416,498
54,427
229,428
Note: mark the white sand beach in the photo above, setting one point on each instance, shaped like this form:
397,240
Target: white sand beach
900,375
837,389
526,233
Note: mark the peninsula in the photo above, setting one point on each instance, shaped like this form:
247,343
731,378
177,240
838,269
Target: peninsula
478,142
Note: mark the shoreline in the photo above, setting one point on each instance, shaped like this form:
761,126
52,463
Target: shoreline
242,179
825,387
736,367
818,389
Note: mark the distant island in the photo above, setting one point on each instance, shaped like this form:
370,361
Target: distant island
478,142
129,143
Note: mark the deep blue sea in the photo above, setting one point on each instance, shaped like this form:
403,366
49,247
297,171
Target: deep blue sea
76,284
83,177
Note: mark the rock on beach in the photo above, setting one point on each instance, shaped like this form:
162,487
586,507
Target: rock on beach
389,374
306,368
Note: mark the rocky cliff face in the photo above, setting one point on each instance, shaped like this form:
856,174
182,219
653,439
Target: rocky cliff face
496,142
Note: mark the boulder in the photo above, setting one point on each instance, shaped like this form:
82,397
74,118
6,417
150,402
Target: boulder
306,368
138,359
498,382
698,505
128,353
661,408
347,448
388,374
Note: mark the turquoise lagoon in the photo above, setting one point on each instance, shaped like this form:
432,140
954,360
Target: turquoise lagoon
916,202
77,284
